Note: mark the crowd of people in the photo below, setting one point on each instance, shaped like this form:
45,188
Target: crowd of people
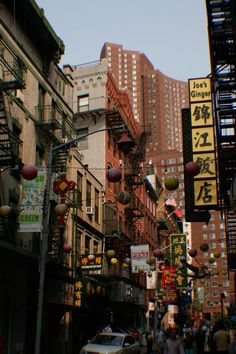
205,339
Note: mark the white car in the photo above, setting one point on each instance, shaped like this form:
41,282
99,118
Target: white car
112,343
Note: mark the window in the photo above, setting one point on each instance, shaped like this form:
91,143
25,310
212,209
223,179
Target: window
87,244
83,142
88,193
96,206
83,103
79,190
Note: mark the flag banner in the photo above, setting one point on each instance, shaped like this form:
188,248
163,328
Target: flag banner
178,213
30,218
139,256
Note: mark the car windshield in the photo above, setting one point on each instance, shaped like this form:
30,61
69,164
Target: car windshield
109,339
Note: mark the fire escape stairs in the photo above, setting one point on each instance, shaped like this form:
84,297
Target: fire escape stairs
9,142
222,34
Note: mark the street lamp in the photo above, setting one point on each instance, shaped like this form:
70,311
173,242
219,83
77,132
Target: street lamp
45,230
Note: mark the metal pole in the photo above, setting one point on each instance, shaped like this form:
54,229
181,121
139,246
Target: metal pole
45,231
43,258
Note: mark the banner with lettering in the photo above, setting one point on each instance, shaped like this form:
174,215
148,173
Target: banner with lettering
178,250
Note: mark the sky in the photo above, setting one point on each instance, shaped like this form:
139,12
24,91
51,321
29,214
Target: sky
171,33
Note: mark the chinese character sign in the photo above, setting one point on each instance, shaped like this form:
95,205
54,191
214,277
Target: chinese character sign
139,256
168,278
178,250
96,263
203,143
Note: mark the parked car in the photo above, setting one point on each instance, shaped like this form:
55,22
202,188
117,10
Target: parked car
112,343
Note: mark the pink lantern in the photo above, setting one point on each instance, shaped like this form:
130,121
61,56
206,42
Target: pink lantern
192,168
91,257
114,174
5,210
192,252
66,248
61,209
157,253
29,172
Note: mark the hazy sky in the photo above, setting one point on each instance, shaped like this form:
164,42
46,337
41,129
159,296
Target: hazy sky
171,33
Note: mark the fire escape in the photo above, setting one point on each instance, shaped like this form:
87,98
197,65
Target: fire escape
222,39
12,72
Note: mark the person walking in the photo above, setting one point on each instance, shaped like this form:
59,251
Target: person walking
173,345
160,339
188,342
149,341
221,339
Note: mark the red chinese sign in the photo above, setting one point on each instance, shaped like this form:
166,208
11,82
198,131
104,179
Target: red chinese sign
168,278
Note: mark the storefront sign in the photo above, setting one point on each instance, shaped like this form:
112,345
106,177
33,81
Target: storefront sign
203,143
96,264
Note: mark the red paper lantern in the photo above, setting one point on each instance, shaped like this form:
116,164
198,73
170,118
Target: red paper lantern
192,168
192,252
66,248
171,183
157,253
114,174
29,172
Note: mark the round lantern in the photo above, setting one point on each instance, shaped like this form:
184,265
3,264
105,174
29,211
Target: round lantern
211,260
125,265
29,172
152,260
204,247
124,197
127,260
110,253
171,183
192,168
114,260
91,257
114,174
61,209
66,248
192,252
157,253
5,210
217,254
149,274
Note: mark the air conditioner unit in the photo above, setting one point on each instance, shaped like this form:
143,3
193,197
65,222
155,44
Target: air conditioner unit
89,210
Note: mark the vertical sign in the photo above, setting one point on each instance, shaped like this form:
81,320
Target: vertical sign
30,218
178,250
203,143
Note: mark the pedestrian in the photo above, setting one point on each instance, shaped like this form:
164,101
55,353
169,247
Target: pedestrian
201,340
160,339
149,341
173,345
188,342
221,339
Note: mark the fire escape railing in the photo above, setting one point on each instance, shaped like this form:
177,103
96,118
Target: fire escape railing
222,34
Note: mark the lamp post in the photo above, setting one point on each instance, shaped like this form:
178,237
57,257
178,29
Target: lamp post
45,230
